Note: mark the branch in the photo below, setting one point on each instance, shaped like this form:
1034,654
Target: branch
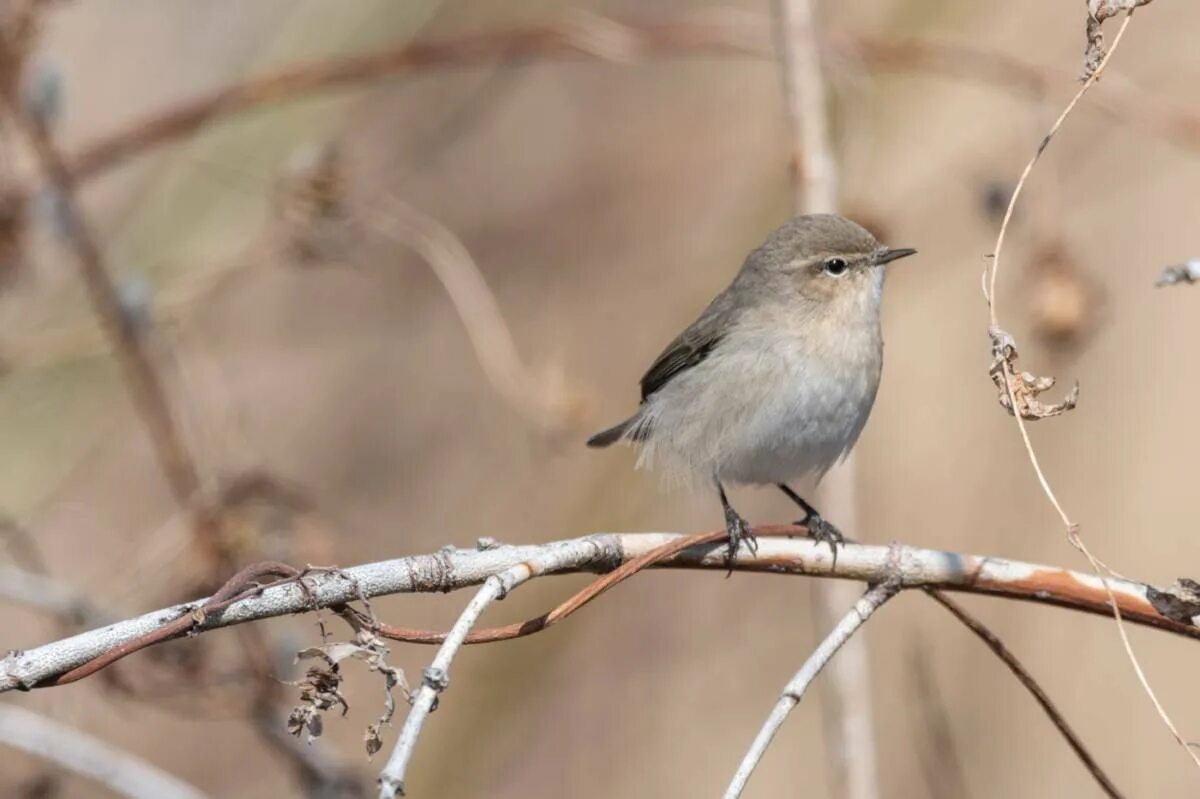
870,602
1026,679
627,41
437,677
455,569
1019,390
47,594
81,754
144,381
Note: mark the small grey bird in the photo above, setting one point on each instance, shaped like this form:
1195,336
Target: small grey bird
776,378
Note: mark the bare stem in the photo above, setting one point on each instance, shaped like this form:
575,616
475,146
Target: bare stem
1027,680
870,602
437,676
990,295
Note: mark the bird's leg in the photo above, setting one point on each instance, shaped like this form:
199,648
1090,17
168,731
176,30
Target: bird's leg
738,528
818,528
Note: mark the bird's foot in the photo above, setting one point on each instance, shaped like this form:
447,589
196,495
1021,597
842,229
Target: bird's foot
739,530
820,530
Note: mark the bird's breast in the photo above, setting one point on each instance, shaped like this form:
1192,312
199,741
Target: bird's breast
811,400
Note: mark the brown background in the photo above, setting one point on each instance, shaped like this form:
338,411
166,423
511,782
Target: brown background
605,204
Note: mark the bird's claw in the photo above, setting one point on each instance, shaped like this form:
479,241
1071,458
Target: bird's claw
820,530
739,530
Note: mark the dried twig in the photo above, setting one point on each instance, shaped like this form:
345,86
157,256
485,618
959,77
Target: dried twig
450,570
118,771
1026,679
1001,342
870,602
436,678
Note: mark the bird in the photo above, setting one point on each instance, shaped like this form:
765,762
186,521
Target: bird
775,379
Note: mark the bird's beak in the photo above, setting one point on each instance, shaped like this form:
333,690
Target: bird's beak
887,255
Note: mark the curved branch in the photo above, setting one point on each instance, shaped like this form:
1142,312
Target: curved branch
455,569
437,677
627,41
1039,694
78,753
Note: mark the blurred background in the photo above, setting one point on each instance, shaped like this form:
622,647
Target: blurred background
346,403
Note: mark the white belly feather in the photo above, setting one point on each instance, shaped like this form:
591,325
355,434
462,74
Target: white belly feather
764,408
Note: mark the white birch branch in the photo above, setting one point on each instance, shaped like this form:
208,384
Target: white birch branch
453,569
437,677
81,754
870,602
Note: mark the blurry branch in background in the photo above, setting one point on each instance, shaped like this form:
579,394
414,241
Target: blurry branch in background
78,753
727,32
17,543
125,330
1019,390
320,775
145,383
870,602
846,713
546,401
932,729
1187,272
46,594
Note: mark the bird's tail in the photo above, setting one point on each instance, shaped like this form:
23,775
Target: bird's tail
632,429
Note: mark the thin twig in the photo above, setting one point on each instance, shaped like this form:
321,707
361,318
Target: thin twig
1026,679
437,677
78,753
990,295
990,292
866,606
452,570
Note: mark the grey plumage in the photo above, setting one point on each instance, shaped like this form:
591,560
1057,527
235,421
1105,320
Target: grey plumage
776,378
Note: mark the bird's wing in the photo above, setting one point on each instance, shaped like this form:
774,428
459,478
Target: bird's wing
690,347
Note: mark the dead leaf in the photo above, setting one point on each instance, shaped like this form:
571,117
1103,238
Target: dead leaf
319,691
1023,388
1098,11
1180,603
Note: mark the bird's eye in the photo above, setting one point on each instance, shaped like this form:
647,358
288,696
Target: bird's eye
835,267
